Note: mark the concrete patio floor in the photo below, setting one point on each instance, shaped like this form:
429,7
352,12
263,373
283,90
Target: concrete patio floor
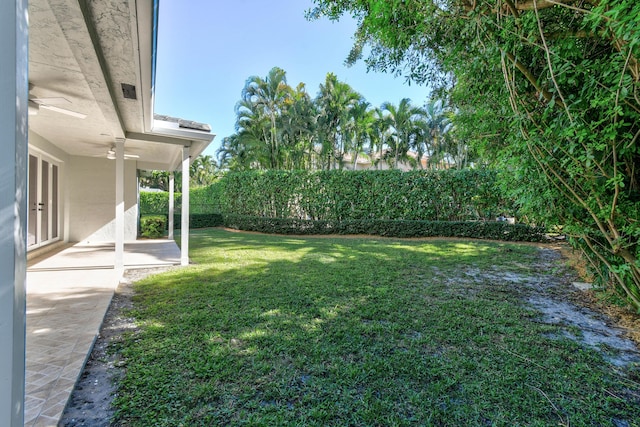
68,293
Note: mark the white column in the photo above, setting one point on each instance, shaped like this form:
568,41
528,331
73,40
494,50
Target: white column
184,232
119,237
171,204
13,208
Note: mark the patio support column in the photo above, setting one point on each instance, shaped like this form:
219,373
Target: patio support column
119,235
13,208
184,232
171,204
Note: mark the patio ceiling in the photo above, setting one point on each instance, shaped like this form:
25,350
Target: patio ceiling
81,53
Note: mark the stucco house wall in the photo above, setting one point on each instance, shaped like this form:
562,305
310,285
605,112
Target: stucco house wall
91,189
87,194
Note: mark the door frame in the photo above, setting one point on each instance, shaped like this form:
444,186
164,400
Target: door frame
53,204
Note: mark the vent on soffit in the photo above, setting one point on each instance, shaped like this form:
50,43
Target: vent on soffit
128,91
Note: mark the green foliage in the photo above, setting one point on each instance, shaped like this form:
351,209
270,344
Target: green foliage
157,202
204,200
201,200
390,228
386,203
279,127
199,220
153,226
202,172
548,91
204,206
447,195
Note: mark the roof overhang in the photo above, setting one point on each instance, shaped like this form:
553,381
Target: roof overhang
97,57
169,133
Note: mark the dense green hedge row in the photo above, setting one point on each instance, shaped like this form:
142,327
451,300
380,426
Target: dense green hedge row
387,203
150,223
157,203
390,228
199,220
450,195
202,200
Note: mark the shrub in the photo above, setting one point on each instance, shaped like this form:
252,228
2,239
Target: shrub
390,228
199,220
447,195
157,202
153,226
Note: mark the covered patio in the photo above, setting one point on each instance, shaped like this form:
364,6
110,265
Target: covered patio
78,125
68,294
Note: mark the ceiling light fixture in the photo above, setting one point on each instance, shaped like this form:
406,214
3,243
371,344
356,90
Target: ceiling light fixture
111,154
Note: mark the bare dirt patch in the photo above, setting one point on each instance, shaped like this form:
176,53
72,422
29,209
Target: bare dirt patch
90,403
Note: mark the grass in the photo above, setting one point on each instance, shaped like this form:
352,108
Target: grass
271,331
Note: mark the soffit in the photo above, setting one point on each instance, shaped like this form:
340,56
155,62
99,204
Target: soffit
116,25
82,51
63,64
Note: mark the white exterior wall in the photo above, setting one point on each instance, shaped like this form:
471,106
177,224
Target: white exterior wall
87,194
91,200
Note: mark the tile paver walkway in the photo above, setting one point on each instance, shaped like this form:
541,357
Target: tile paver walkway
68,294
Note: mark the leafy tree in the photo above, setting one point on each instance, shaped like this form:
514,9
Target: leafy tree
406,123
278,127
553,87
263,100
298,124
359,129
380,134
155,179
203,171
237,152
437,128
334,101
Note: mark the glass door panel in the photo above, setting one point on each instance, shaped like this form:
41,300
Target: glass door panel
54,202
33,201
44,202
43,220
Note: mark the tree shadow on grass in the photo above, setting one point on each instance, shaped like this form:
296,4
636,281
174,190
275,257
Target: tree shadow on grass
333,332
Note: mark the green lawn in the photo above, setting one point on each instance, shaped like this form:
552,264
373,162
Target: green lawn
272,330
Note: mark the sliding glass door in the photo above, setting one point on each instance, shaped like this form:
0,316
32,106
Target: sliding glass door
43,222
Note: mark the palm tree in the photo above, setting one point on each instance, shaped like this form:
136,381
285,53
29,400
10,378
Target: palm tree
380,133
236,154
203,171
438,125
297,129
360,128
405,126
266,98
334,101
253,134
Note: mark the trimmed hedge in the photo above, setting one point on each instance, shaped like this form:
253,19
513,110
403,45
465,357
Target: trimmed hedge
449,195
449,203
443,195
157,202
492,230
202,200
199,220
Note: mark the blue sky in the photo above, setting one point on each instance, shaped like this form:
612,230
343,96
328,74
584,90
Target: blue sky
207,50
